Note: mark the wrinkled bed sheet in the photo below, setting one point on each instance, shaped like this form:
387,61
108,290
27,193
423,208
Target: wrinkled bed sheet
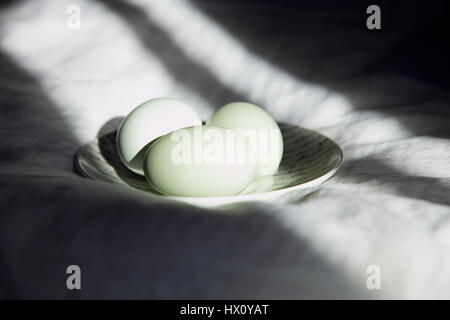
59,88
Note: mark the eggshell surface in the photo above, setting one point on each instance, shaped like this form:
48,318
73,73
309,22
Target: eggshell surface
147,122
200,161
260,129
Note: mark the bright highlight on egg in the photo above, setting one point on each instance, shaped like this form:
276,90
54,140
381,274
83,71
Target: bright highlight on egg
147,122
165,140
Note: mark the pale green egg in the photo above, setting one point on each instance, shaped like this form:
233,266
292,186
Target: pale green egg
200,161
260,129
146,123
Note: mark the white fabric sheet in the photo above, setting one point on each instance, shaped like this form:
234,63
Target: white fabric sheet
388,205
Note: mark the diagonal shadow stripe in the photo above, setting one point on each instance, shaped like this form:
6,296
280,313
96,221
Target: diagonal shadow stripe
293,36
186,71
41,136
371,170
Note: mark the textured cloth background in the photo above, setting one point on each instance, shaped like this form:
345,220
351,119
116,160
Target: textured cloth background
388,205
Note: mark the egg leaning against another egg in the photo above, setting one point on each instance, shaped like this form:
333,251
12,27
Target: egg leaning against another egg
260,129
147,122
200,161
